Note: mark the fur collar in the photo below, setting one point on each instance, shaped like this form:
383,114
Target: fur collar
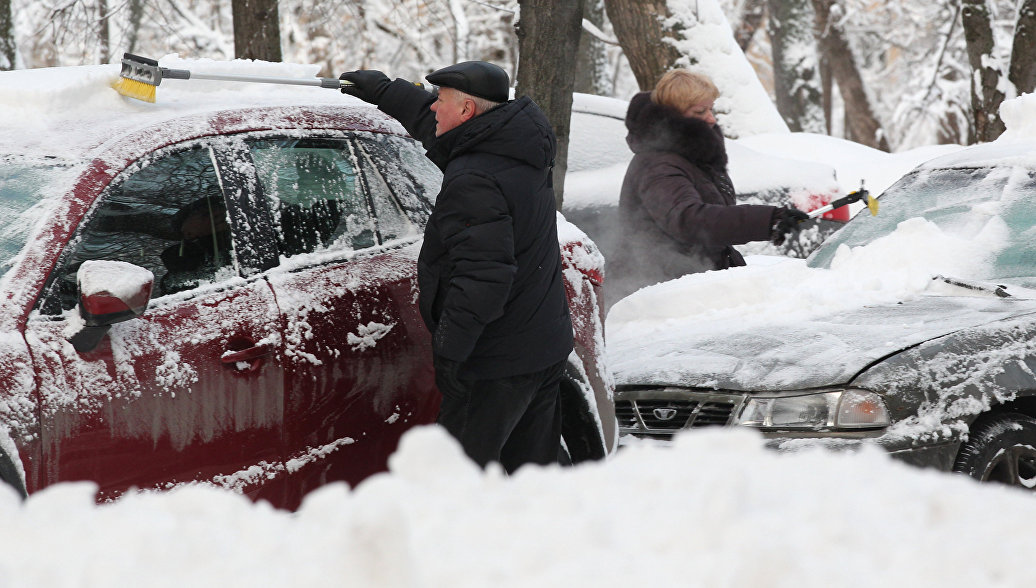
653,127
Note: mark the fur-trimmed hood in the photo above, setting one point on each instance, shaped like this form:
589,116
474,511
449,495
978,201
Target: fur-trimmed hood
653,127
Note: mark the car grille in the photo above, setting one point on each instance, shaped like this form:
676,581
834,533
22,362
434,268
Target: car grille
660,413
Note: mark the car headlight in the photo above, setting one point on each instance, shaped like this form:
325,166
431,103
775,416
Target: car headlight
842,409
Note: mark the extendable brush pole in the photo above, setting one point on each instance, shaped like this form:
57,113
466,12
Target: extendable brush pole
861,194
140,77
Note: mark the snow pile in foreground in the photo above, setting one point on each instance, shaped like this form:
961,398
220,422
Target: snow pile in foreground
715,509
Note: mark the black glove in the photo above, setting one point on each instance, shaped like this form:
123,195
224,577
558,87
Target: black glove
367,84
785,221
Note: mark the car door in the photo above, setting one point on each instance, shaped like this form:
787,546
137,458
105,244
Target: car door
357,355
192,391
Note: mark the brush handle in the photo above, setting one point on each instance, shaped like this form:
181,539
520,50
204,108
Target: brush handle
847,199
183,74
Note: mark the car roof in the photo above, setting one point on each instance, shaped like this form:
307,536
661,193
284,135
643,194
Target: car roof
1004,152
70,113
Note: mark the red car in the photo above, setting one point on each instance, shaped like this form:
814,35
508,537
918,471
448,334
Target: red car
228,297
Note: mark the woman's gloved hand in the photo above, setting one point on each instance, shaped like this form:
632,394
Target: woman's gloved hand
785,222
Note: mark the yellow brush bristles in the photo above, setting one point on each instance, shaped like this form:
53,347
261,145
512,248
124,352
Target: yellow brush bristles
135,89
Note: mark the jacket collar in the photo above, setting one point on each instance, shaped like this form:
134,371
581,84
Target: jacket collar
653,127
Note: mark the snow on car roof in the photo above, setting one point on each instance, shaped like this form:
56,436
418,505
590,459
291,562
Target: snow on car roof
1016,147
64,111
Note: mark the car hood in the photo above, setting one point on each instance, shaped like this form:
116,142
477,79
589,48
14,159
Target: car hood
820,351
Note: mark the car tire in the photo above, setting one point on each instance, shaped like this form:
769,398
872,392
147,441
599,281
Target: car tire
9,474
580,430
1001,448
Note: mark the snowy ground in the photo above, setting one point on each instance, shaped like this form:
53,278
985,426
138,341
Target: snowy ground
716,509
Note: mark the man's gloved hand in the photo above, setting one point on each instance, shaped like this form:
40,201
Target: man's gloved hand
785,221
367,84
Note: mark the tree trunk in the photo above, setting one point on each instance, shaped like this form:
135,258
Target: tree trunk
1022,72
638,27
592,68
862,125
796,74
8,51
104,50
548,38
985,96
752,13
827,86
136,12
257,31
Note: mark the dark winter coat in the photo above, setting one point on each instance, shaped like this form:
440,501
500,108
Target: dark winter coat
489,271
677,211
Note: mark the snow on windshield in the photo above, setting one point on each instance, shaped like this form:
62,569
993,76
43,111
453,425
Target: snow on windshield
898,266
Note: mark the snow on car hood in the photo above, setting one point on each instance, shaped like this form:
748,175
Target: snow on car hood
778,324
822,351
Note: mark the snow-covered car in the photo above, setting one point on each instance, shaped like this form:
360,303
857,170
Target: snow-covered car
220,288
912,330
598,157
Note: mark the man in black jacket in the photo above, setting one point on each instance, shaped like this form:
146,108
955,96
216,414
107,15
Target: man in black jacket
489,271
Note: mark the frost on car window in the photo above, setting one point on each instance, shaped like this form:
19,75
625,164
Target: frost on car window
20,190
314,193
993,203
393,220
413,178
167,215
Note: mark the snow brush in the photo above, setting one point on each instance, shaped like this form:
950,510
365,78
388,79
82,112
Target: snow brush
861,194
141,76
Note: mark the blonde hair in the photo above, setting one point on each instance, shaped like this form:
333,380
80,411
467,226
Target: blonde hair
681,89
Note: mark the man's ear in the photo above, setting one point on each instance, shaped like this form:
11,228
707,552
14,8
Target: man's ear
469,110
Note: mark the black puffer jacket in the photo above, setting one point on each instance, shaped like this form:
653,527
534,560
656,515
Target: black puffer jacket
489,271
677,210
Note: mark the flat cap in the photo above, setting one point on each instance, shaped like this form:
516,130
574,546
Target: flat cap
477,78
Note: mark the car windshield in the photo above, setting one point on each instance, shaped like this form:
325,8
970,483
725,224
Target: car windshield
961,202
21,186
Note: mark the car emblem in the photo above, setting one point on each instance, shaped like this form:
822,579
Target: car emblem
664,414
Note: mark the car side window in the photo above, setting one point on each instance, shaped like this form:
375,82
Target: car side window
168,216
413,178
314,193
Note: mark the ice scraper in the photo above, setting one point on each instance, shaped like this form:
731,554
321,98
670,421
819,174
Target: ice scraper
141,76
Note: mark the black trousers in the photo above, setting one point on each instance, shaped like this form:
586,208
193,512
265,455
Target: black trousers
514,420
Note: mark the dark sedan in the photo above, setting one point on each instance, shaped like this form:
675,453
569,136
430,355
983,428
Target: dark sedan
940,370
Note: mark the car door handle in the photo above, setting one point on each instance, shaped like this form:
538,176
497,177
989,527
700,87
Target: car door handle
249,354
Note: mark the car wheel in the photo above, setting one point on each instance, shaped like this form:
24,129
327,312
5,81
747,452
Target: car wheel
580,431
1001,448
9,474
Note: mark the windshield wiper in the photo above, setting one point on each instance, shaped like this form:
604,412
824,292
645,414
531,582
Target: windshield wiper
996,289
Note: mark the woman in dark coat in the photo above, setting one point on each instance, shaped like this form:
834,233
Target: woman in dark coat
677,212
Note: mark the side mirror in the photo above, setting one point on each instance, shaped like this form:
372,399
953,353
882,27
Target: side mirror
109,292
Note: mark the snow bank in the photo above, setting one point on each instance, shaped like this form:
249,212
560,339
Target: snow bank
715,509
1019,115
